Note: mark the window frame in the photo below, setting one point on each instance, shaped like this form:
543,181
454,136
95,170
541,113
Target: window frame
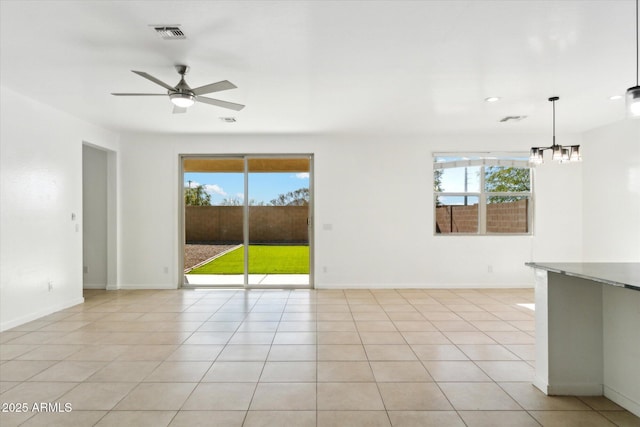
483,160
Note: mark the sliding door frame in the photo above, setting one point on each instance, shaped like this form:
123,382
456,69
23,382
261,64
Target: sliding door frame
245,220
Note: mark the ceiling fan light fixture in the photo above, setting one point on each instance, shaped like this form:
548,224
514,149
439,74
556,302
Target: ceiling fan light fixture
182,100
182,96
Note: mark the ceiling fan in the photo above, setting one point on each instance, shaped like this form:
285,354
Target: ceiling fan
182,96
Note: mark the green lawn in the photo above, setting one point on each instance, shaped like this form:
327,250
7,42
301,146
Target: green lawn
262,260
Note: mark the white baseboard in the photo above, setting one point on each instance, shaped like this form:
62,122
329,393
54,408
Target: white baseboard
541,385
422,286
589,390
38,314
628,404
94,286
568,389
133,286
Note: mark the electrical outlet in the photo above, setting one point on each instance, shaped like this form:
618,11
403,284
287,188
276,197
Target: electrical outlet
85,269
490,269
325,269
50,285
166,270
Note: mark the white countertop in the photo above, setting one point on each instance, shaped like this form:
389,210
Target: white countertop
623,274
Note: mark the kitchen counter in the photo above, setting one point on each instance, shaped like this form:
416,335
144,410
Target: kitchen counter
623,274
588,330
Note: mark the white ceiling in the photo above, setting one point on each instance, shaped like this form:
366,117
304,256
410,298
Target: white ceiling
328,66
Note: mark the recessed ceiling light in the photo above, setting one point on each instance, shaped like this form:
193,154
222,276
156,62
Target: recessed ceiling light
492,99
615,97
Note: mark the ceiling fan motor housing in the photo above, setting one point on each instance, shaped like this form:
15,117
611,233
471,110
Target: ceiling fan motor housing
182,69
182,87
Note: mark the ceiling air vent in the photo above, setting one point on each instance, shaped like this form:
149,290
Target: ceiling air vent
169,32
512,119
228,119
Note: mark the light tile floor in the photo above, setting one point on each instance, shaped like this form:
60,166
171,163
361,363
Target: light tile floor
286,358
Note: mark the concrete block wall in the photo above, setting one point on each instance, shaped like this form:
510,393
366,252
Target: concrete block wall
510,217
278,224
267,224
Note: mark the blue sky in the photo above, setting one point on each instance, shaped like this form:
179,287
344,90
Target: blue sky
453,179
263,187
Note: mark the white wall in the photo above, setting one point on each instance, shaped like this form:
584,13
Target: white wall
558,210
375,191
148,248
94,214
611,179
40,188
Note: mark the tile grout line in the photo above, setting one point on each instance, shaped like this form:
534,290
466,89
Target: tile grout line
436,382
373,374
204,373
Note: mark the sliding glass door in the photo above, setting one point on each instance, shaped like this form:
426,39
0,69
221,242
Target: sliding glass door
213,220
246,220
279,218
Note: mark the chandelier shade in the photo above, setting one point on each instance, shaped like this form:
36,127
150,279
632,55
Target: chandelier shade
568,153
633,102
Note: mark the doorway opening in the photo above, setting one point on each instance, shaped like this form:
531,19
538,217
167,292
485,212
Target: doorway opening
99,268
246,221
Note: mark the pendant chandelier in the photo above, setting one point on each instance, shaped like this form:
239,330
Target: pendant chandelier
568,153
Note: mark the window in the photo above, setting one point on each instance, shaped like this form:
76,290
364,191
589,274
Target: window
488,193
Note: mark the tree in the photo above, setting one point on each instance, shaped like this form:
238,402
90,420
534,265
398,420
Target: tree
232,201
237,201
299,197
437,180
499,179
197,196
437,184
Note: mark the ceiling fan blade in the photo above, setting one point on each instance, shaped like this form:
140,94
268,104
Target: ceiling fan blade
179,110
218,103
139,94
153,79
214,87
